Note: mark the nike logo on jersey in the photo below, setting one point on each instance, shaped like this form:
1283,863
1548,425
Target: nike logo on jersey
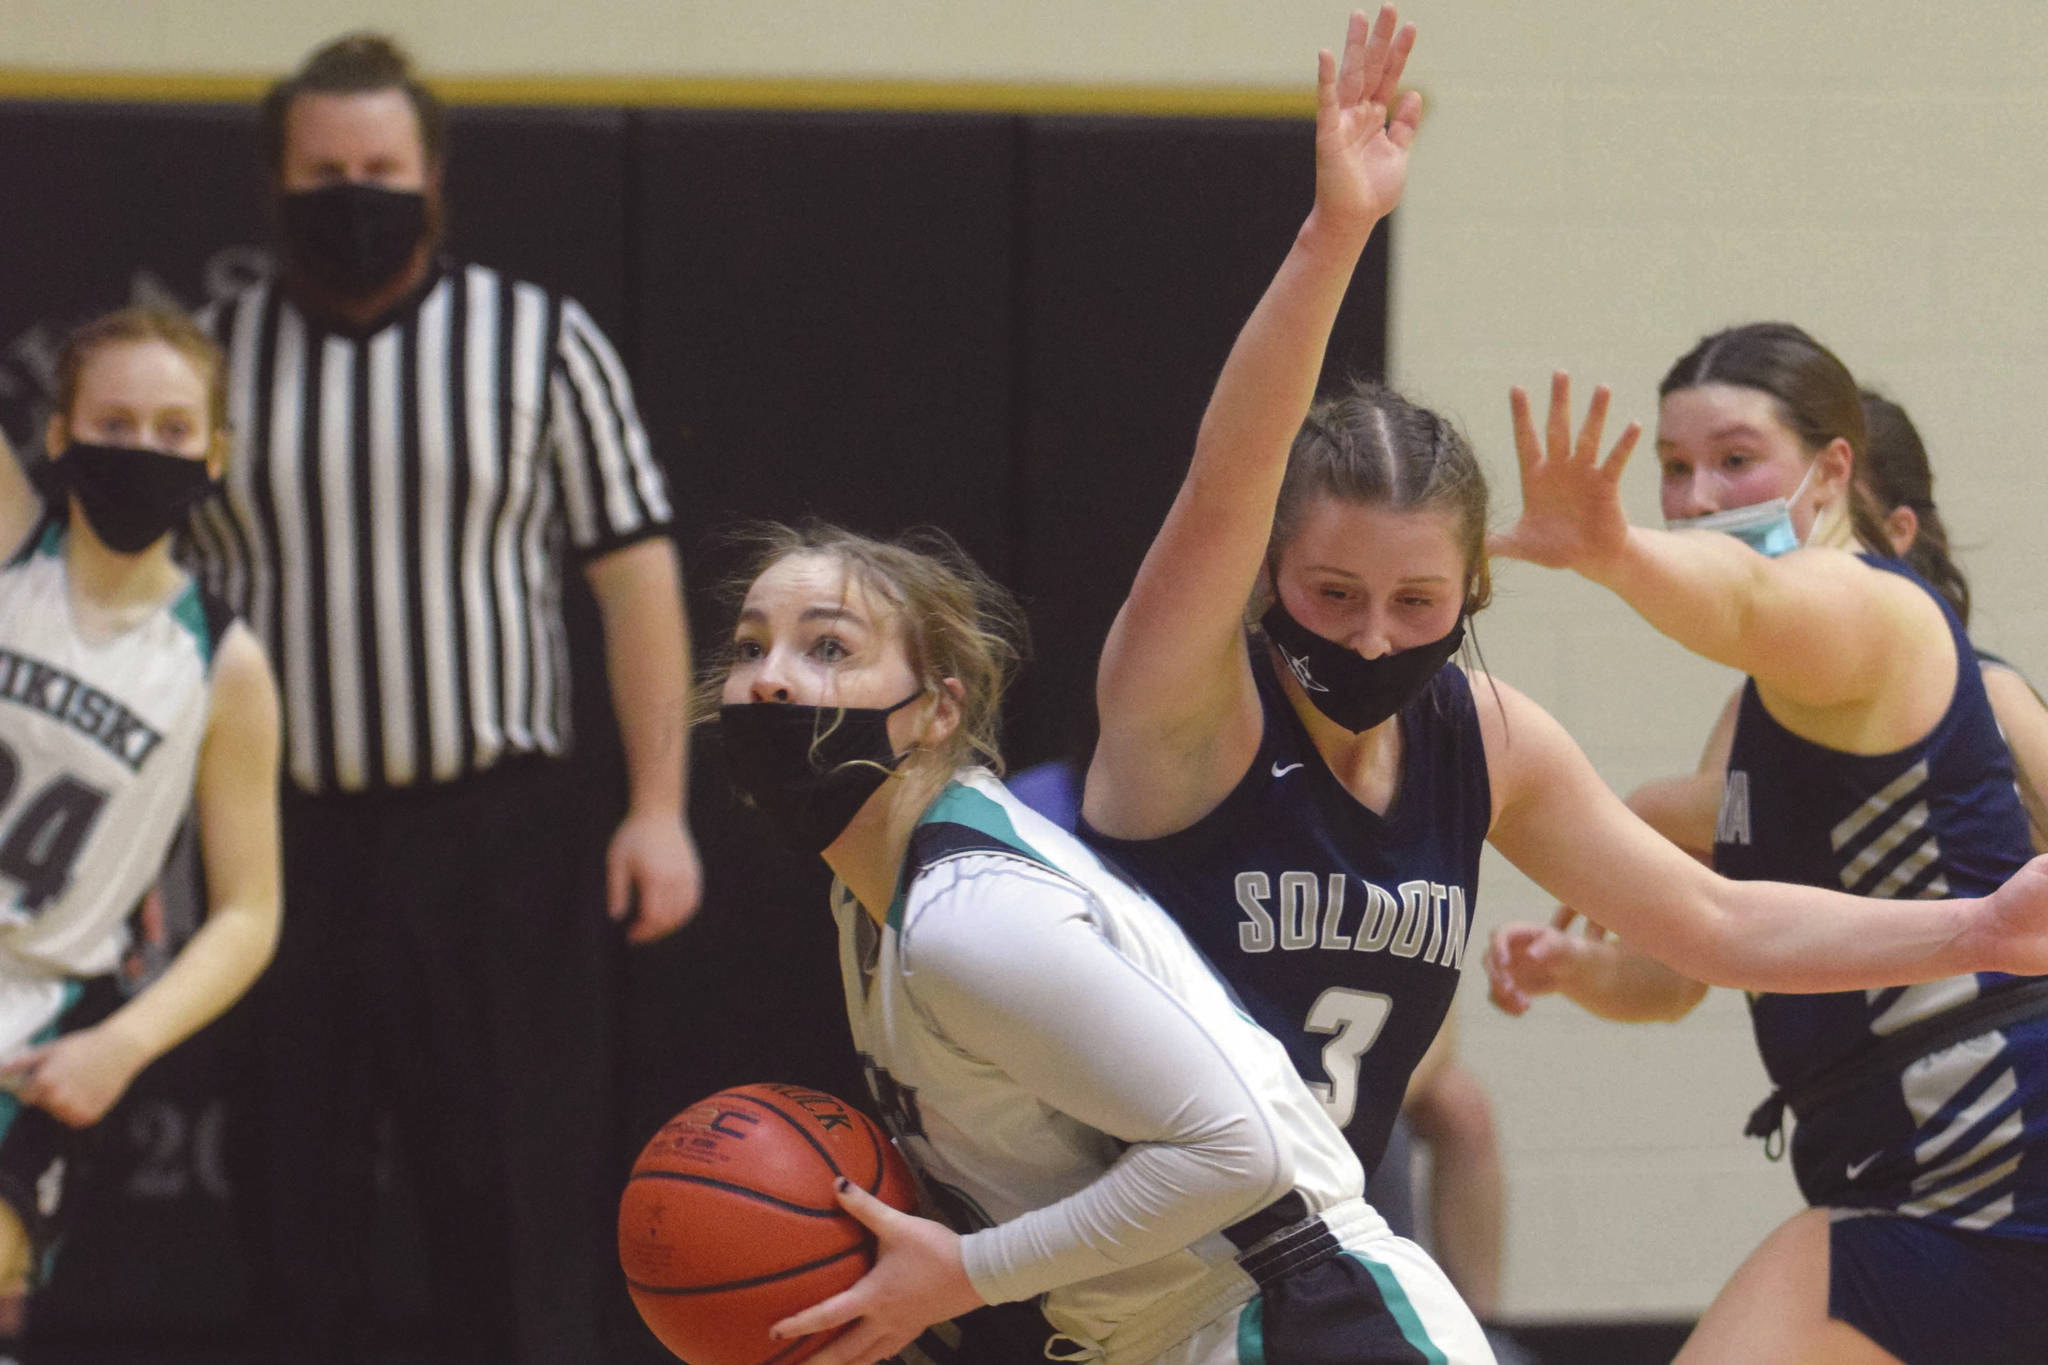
1857,1168
1280,770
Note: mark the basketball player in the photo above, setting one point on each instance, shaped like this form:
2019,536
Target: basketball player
1098,1121
1900,483
1864,755
1081,1097
126,693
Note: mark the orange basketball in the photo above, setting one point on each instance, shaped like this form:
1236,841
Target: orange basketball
729,1223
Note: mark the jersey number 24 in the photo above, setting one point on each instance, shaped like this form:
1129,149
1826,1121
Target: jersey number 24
40,840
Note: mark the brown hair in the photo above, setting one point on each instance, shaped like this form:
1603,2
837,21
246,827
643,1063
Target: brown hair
1370,445
354,64
146,322
1816,398
1898,475
957,622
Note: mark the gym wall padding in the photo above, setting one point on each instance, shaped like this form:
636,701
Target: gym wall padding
1002,325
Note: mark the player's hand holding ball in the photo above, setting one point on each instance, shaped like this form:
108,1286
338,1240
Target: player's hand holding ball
762,1207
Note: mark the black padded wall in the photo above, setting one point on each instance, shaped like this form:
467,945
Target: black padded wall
1148,242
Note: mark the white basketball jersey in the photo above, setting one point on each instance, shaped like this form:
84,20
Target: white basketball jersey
991,1124
98,744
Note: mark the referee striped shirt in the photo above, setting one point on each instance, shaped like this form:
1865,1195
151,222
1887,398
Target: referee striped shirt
395,511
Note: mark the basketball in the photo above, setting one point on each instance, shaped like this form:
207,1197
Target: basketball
729,1222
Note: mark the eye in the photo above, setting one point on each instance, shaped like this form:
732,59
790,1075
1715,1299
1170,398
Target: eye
1335,594
1737,459
1676,469
746,650
829,648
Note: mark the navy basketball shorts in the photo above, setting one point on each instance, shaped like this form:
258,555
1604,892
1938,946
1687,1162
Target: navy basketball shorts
1934,1295
1380,1300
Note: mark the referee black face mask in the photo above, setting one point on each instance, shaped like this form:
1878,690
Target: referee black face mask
809,769
131,498
352,239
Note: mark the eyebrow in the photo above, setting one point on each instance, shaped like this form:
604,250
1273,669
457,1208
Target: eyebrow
1337,572
808,614
1726,433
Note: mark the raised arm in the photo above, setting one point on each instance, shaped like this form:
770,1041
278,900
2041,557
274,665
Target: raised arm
1179,715
1557,822
1815,627
80,1076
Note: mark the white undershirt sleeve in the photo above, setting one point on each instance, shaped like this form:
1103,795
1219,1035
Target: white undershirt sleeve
1009,963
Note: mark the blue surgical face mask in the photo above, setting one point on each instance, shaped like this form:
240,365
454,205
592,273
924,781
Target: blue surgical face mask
1765,527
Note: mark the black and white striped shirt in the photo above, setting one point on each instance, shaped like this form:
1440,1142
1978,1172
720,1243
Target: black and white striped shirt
393,518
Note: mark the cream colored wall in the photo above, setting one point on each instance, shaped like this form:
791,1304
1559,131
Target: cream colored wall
1598,182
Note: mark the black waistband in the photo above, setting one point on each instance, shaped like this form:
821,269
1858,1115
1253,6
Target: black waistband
2001,1009
1280,1238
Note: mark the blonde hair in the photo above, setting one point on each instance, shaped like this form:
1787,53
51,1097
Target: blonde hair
146,322
957,623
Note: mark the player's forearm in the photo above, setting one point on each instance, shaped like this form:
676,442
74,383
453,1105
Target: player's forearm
647,657
212,971
1773,936
1616,982
1696,587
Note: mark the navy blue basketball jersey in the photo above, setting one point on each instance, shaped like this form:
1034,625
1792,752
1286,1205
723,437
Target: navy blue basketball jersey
1341,930
1961,1136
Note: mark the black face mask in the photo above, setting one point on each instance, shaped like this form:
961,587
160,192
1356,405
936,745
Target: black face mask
1355,692
131,498
809,769
352,239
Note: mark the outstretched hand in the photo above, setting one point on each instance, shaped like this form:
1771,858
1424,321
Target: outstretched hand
917,1280
1362,152
1571,498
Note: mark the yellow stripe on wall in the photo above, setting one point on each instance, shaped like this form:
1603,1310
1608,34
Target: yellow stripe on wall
991,97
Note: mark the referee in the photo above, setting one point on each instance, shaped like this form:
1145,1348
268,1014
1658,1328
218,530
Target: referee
418,443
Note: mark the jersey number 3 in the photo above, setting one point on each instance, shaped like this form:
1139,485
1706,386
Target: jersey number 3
40,841
1355,1018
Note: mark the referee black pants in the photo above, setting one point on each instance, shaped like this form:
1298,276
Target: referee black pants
445,959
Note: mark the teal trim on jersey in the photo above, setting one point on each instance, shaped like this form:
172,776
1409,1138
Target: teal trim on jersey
52,542
959,804
190,612
1251,1334
1405,1316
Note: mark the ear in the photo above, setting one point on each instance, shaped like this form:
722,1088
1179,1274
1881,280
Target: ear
55,436
948,706
1901,528
1837,465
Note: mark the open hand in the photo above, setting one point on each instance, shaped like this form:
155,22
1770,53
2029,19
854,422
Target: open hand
917,1280
1524,961
1362,152
1571,498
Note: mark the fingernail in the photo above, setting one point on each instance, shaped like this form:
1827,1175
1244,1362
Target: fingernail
842,1185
